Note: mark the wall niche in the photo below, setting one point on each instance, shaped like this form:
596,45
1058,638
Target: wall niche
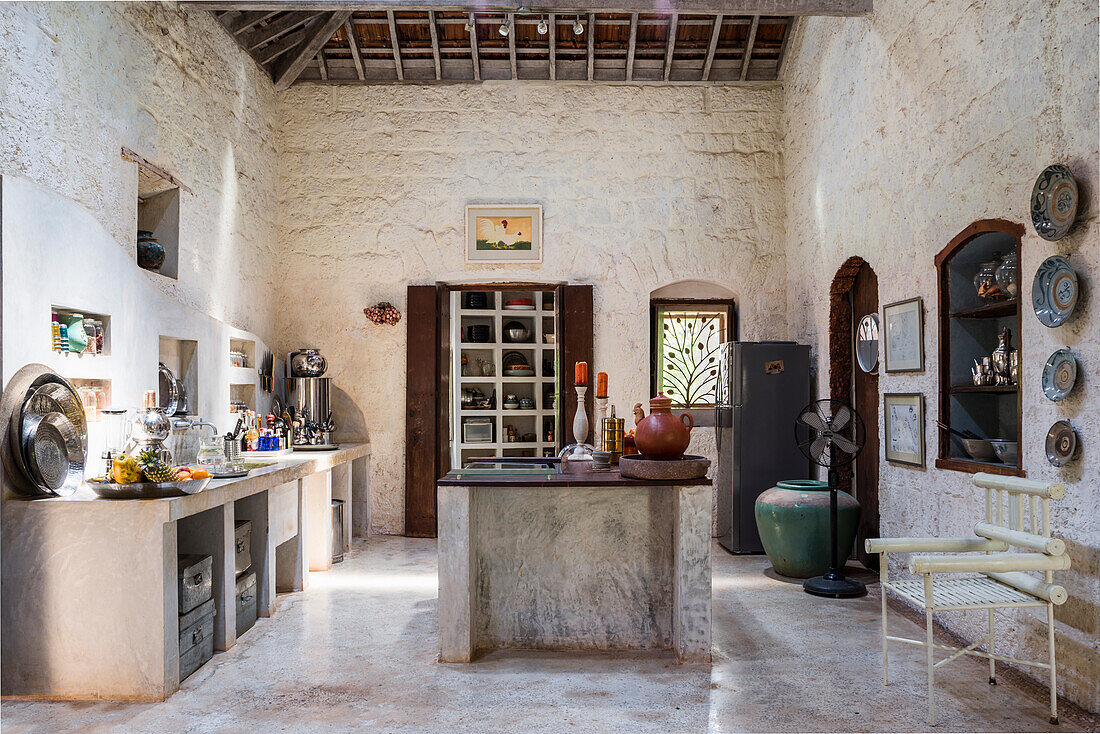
158,210
970,325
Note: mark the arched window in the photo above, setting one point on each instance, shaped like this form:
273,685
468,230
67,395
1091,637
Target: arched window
690,320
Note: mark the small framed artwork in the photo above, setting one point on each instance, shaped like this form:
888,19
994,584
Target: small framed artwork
904,421
504,233
904,335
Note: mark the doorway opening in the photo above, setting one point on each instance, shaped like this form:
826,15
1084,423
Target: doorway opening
853,295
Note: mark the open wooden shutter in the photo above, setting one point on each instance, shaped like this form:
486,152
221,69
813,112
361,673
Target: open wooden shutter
574,328
426,385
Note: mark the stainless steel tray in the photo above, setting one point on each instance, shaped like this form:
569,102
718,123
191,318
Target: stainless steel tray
53,453
147,490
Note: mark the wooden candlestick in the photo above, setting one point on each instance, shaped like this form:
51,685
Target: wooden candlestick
580,420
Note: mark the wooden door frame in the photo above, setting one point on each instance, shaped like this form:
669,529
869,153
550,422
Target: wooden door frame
841,369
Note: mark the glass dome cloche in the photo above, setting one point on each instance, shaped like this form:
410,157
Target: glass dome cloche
985,281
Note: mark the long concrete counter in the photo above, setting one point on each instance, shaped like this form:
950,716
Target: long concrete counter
90,599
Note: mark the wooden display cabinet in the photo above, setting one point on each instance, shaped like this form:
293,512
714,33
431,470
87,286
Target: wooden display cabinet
968,329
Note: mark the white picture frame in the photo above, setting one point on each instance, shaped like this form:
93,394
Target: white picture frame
511,224
904,423
903,335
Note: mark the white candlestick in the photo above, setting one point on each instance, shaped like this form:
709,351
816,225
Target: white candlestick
580,420
601,413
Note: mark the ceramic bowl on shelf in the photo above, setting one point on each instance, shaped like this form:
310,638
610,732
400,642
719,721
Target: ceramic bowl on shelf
1061,443
514,331
1054,291
477,333
519,304
519,372
1054,202
979,449
1059,374
1006,451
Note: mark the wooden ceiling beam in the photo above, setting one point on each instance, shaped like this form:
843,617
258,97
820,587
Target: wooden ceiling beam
473,48
435,43
670,44
715,32
630,45
788,36
353,45
683,7
395,45
246,20
747,55
317,34
277,27
553,44
512,44
272,51
591,45
321,68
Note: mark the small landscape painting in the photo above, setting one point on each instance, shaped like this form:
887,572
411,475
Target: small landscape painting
504,233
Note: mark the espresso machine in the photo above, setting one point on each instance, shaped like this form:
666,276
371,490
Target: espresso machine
308,401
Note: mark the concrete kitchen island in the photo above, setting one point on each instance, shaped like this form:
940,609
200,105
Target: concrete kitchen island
90,605
573,562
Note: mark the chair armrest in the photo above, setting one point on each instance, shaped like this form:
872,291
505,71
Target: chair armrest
933,545
1001,562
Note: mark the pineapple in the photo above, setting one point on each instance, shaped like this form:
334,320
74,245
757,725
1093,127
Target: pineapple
154,468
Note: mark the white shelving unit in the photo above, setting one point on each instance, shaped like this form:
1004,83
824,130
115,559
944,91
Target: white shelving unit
540,351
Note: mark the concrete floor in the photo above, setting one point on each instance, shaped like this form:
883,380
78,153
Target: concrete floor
357,652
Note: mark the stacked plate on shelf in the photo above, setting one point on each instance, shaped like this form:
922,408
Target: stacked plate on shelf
519,304
44,443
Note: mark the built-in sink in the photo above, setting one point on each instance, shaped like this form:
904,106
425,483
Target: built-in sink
507,466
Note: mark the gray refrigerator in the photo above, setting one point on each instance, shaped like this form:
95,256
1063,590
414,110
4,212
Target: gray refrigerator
761,388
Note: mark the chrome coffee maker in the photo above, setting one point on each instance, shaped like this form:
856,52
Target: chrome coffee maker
308,400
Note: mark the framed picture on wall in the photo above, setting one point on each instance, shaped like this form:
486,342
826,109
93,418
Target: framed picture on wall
904,335
504,233
904,422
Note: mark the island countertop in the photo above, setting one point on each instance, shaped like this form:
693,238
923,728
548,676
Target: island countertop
609,478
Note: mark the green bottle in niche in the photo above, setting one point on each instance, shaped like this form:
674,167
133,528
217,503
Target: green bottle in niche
793,520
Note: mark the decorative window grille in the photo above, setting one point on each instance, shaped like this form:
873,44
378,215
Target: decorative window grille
687,346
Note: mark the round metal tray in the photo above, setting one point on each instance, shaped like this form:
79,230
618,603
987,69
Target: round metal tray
21,387
52,450
147,490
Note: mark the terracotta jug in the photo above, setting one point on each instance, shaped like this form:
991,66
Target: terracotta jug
661,435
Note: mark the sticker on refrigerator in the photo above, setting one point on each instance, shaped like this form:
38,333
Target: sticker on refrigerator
774,367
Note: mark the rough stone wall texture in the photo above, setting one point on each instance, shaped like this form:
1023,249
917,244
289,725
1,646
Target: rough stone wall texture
641,187
80,80
902,128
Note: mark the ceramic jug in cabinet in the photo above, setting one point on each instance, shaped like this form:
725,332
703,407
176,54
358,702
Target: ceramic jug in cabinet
661,435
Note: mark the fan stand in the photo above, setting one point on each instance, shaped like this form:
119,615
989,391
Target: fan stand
833,584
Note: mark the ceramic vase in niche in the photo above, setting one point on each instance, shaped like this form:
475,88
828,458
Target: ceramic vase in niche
150,253
662,435
793,520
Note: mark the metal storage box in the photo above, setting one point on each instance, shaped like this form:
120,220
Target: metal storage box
197,638
246,603
196,581
242,545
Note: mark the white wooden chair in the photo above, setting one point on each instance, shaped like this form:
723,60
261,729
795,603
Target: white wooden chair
1002,581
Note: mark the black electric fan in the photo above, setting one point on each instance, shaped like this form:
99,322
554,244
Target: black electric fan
830,434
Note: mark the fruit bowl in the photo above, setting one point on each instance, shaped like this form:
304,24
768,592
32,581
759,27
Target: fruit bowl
147,490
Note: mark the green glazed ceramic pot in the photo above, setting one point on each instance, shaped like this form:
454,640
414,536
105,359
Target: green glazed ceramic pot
793,520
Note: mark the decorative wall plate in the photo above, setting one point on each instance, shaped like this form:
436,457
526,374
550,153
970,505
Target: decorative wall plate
1059,374
1061,443
1054,202
1054,291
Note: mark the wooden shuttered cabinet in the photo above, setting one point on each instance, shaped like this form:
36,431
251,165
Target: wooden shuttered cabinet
574,327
